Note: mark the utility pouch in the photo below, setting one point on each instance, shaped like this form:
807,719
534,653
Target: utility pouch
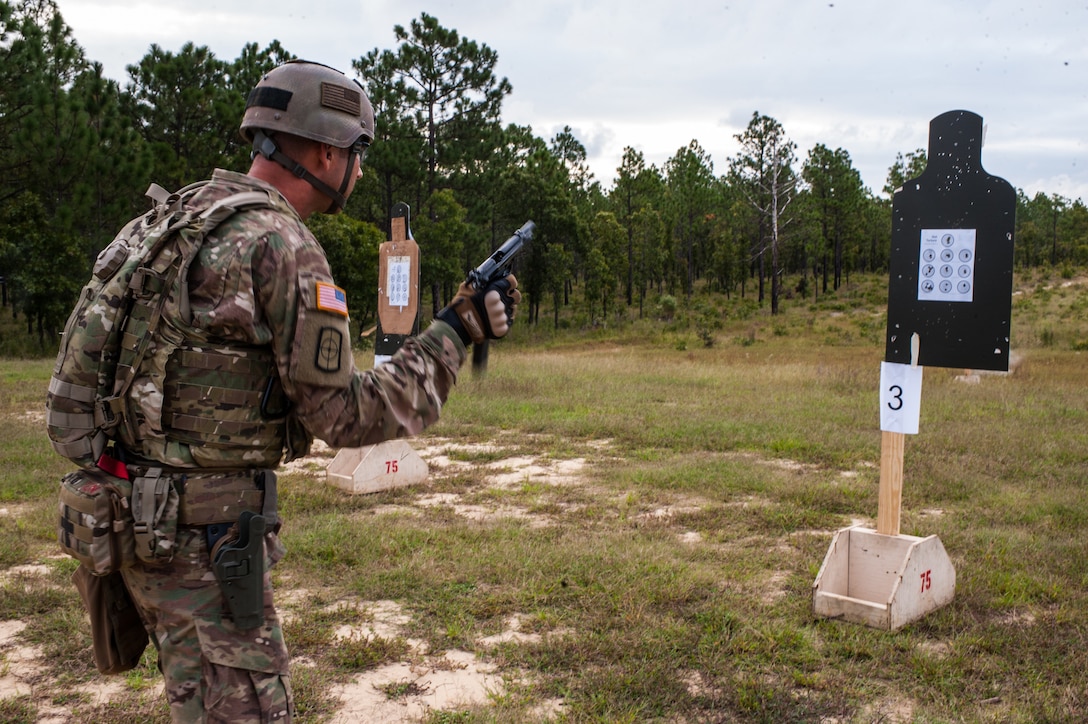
116,628
95,523
238,562
155,517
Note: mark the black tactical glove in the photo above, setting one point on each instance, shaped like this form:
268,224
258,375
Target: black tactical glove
479,314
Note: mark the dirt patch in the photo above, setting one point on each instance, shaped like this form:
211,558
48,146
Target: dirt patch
667,512
21,664
936,649
404,692
29,570
506,473
14,510
893,711
1017,619
446,459
24,669
34,417
482,513
409,690
774,588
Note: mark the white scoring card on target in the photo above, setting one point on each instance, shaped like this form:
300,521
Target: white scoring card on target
946,265
398,283
900,397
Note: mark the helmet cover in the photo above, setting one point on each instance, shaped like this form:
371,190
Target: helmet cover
310,100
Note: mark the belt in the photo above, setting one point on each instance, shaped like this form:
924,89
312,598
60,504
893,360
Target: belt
205,499
209,498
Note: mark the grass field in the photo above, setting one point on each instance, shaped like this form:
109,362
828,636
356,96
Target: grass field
624,524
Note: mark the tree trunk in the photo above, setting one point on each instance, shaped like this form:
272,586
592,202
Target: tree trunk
630,267
776,280
762,280
838,261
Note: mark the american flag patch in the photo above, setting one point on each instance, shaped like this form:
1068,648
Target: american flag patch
331,298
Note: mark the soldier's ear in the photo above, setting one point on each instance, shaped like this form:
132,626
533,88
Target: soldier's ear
328,152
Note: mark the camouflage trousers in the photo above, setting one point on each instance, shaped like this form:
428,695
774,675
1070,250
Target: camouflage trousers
213,671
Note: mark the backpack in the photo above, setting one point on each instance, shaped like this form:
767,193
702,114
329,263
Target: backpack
109,332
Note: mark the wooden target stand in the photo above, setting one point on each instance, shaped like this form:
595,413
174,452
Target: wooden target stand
880,577
393,463
950,284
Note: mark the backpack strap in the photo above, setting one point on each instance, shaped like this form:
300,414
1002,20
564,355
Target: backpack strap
211,218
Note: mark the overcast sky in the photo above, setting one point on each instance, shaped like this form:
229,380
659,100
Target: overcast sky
866,76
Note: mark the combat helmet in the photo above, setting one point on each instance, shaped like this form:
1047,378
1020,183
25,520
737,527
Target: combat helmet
313,101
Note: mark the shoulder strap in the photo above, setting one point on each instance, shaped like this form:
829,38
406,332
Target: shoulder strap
211,218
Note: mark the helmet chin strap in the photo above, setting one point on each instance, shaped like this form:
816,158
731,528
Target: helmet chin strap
265,146
340,200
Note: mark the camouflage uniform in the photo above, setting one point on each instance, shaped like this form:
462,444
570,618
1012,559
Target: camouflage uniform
261,282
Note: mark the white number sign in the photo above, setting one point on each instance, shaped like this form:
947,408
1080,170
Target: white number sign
900,397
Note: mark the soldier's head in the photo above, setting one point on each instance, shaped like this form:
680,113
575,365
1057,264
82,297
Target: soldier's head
305,100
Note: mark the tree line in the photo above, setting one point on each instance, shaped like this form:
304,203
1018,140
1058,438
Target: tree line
78,150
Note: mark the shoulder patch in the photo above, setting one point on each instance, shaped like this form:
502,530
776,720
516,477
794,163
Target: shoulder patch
331,298
321,352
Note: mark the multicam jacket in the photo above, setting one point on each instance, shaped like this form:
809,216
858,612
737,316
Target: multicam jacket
266,363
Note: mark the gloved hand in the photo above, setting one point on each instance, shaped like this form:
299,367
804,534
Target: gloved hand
479,314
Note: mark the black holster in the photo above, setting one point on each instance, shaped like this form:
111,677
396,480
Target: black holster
238,562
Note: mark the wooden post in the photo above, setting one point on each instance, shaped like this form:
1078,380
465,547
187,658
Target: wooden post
890,497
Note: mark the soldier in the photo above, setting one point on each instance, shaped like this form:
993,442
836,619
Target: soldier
264,367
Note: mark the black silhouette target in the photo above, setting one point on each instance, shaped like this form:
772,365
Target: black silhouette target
952,255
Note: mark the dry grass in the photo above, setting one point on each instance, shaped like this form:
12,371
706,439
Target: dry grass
624,526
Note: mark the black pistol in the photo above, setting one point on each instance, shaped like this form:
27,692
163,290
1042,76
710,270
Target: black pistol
493,268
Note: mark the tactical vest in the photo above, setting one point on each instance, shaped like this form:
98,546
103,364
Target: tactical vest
133,369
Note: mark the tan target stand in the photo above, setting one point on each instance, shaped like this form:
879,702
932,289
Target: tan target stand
393,463
949,305
880,577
